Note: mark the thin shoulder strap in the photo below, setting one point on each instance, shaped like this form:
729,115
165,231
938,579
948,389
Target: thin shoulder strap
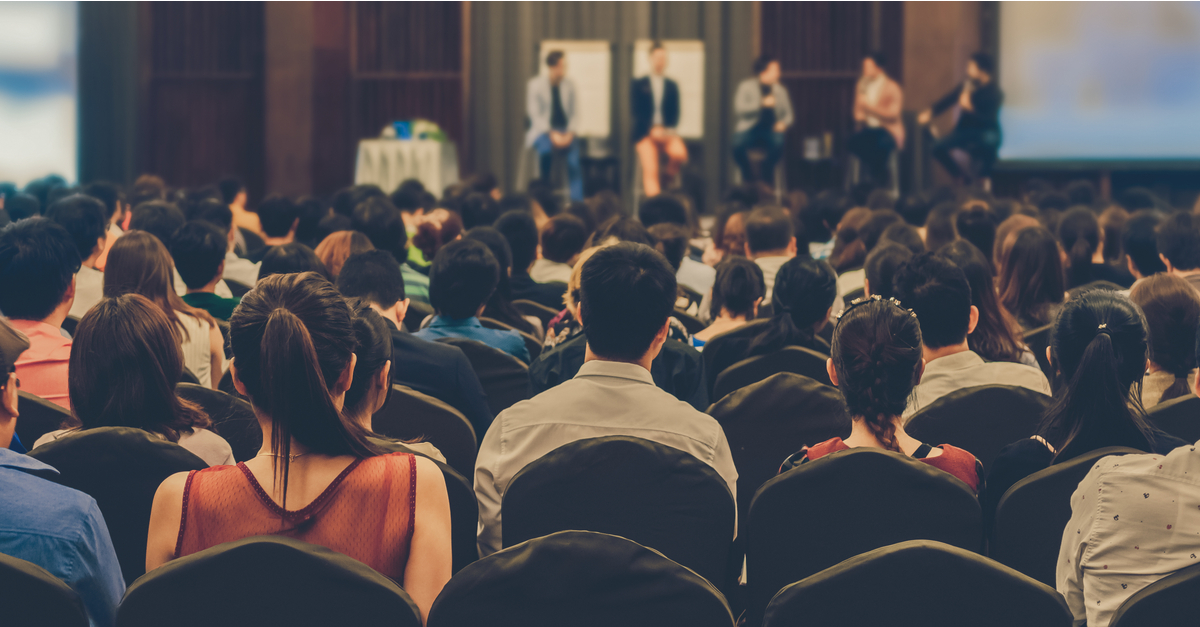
922,451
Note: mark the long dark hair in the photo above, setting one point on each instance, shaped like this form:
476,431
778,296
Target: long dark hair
738,285
804,292
499,305
1172,309
997,336
138,263
292,337
1031,276
876,353
373,348
125,364
1099,349
1080,234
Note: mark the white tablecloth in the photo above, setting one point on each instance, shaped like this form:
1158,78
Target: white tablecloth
389,162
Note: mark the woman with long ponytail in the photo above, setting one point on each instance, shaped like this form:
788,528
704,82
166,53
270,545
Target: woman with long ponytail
317,478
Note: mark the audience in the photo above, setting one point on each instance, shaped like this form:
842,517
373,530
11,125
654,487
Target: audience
439,370
238,269
519,228
563,238
997,335
728,234
938,292
668,209
83,217
198,250
736,294
849,251
499,306
290,258
881,266
565,325
1179,246
1031,283
1139,241
939,226
434,230
479,209
336,248
293,341
383,224
770,242
280,217
977,225
1084,242
627,294
233,193
1172,310
158,218
875,362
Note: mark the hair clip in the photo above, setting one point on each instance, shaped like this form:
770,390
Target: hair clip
1103,325
870,299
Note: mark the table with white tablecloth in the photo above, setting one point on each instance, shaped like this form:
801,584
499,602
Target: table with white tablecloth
389,162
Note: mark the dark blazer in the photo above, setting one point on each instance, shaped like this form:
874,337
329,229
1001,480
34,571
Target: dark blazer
986,100
642,104
548,294
443,372
678,369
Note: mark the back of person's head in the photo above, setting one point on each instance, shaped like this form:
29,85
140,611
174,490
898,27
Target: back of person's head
521,232
977,225
496,242
1112,223
984,61
803,294
1006,234
478,209
277,214
748,195
881,199
333,223
108,193
938,292
672,241
627,292
22,206
291,258
230,187
737,288
310,210
1140,241
198,249
1179,241
407,201
373,276
1099,350
441,227
381,222
373,352
158,218
728,232
873,228
586,214
563,237
623,230
1172,309
821,215
1136,198
215,213
516,202
663,208
1032,275
997,335
138,263
903,234
881,266
38,261
339,246
1079,232
58,193
876,353
849,252
462,278
1081,192
82,217
125,364
768,229
914,207
939,225
606,205
193,198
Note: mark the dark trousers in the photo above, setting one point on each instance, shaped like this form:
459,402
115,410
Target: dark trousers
873,147
546,151
980,144
764,139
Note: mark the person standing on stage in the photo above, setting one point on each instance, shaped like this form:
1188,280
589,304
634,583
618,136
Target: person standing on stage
978,128
655,105
764,113
878,101
550,107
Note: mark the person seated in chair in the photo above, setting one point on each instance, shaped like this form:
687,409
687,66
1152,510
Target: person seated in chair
83,217
875,361
878,102
52,526
764,113
520,229
655,106
627,294
736,295
938,291
439,370
198,249
669,209
237,268
770,242
279,217
978,127
563,239
550,105
461,280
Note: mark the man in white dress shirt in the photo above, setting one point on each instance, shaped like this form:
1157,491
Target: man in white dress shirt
627,295
770,242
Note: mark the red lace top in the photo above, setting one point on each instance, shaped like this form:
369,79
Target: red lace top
953,460
366,513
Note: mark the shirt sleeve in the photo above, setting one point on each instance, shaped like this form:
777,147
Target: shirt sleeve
1076,536
746,102
947,101
723,464
97,575
488,494
783,105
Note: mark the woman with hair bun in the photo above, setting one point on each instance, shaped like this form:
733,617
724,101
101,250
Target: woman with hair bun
876,362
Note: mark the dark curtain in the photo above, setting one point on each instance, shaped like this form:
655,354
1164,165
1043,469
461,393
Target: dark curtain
108,65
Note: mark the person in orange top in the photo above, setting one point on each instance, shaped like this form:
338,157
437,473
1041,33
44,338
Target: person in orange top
38,262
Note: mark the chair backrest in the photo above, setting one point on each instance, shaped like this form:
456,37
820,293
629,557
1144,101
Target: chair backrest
1179,416
232,418
39,417
121,468
689,322
655,495
504,378
765,422
853,294
531,343
919,582
530,308
693,297
795,359
981,419
226,385
846,503
237,288
189,377
35,598
415,314
411,415
70,323
582,579
1031,515
266,580
1168,601
1037,340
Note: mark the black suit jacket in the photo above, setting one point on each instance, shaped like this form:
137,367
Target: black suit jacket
443,372
642,104
548,294
985,100
678,369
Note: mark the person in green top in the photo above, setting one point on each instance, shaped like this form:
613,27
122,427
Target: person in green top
199,252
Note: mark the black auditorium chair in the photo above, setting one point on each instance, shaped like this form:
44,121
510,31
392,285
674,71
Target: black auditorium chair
919,582
1031,515
189,377
846,503
655,495
795,359
531,343
39,417
121,468
1179,416
530,308
1037,340
981,419
35,598
266,580
765,422
504,378
582,579
232,418
237,288
693,297
417,312
689,322
1168,601
70,323
409,415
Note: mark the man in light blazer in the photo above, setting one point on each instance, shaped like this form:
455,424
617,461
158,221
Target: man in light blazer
655,107
764,113
550,107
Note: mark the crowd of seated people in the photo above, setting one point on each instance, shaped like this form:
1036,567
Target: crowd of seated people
112,297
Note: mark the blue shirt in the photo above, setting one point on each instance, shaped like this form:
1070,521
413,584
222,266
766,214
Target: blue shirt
61,530
470,328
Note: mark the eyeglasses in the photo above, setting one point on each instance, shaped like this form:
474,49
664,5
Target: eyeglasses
871,299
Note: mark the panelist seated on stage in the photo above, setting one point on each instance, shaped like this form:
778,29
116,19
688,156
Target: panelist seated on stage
655,106
764,113
878,101
978,128
550,107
